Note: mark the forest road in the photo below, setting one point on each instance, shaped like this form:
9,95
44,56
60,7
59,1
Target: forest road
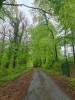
43,87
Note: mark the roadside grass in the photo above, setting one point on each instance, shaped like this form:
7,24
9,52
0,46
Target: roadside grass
12,74
71,82
54,69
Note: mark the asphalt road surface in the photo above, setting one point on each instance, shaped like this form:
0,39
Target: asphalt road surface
43,87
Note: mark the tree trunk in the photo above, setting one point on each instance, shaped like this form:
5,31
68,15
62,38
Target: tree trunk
65,51
73,46
16,41
2,46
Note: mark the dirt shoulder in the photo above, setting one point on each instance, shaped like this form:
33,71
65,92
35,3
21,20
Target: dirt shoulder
17,89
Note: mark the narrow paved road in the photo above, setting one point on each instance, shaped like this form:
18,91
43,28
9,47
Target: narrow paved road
43,88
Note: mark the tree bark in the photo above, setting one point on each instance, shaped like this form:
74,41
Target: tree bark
73,46
65,52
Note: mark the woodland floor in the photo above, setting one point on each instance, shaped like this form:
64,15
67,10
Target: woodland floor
17,89
37,86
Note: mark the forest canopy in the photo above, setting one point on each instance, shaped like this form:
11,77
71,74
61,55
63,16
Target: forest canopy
39,44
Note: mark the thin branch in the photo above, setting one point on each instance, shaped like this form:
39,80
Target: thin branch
40,9
2,18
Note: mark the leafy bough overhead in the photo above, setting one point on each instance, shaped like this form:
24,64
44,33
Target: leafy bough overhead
64,10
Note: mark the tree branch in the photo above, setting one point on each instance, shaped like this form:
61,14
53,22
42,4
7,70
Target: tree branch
40,9
2,18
